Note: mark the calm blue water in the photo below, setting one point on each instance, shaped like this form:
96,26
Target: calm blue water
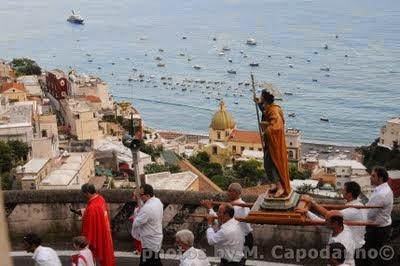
361,92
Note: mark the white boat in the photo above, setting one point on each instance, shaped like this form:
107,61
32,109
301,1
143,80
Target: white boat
251,41
231,71
75,18
292,114
226,48
221,53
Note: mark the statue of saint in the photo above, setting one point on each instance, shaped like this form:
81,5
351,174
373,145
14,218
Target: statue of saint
275,153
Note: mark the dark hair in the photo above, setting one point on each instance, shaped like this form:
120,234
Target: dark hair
267,96
148,190
33,239
353,188
88,188
80,241
336,219
381,173
229,210
337,251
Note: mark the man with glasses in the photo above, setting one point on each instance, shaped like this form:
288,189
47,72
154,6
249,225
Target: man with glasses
148,226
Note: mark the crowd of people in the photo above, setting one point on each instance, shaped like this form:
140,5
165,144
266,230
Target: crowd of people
231,238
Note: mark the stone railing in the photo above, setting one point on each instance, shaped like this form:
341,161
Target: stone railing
47,213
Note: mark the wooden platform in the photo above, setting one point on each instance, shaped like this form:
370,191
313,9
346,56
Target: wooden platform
280,211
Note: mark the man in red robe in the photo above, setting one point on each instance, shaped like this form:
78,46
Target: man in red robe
96,226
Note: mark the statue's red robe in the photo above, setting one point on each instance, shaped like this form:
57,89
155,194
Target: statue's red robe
275,132
96,228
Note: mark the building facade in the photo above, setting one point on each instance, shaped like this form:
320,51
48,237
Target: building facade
57,84
390,133
81,120
15,92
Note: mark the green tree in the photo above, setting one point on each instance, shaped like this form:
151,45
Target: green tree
200,160
294,173
221,181
157,168
376,155
25,66
6,157
212,169
19,149
6,181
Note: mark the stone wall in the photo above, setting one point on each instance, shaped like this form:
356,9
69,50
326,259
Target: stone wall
47,212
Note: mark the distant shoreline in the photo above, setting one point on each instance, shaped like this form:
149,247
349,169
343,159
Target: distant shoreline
303,141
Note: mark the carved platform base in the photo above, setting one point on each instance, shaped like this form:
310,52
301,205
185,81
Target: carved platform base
281,211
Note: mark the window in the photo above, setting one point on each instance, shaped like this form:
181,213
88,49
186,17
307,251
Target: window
259,149
218,135
291,155
234,149
290,143
44,133
251,148
214,150
226,133
342,170
241,148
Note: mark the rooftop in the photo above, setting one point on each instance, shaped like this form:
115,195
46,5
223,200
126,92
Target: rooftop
245,136
13,85
33,166
17,116
253,154
58,73
168,181
342,163
29,80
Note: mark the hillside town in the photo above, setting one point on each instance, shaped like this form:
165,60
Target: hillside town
61,130
73,129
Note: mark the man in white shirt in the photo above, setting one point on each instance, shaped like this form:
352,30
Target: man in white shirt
234,195
341,234
191,256
43,256
229,239
351,191
148,226
379,236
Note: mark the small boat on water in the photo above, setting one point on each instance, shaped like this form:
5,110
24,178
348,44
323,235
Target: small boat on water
288,93
324,119
251,41
292,114
221,53
197,67
230,60
324,69
231,71
181,54
161,50
75,18
252,64
158,58
226,48
161,65
326,47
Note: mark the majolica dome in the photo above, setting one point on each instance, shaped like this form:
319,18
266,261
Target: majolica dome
222,119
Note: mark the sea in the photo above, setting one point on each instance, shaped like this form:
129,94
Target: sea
358,40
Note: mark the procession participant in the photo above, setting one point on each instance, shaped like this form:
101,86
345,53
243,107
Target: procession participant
234,195
378,236
84,256
337,254
43,256
96,226
191,256
350,192
228,238
148,226
341,234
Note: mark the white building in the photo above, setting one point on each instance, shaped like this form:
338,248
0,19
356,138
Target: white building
16,121
89,85
390,133
344,170
184,181
31,84
70,172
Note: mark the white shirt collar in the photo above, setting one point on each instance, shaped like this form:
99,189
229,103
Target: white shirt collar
381,187
36,252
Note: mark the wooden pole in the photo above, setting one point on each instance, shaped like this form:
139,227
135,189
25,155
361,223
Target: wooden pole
326,206
257,220
258,115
